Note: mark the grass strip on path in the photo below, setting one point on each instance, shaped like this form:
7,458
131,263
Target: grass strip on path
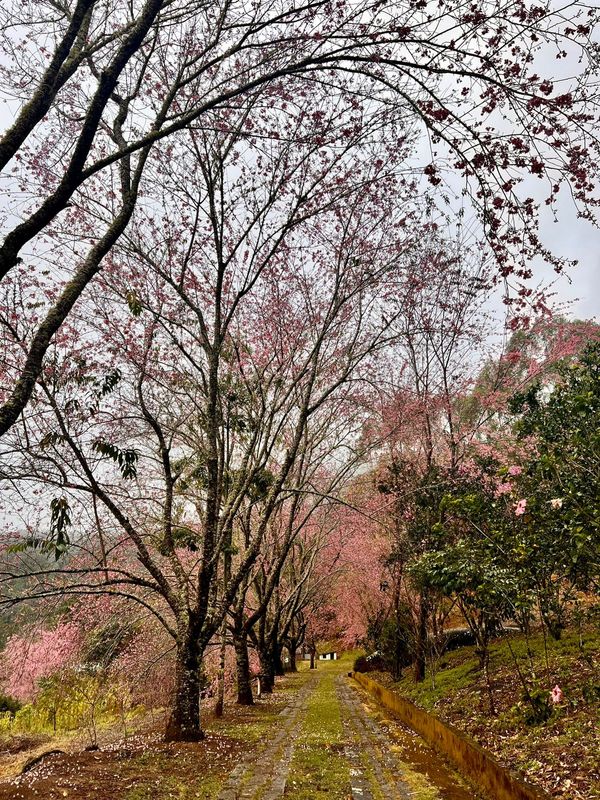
319,768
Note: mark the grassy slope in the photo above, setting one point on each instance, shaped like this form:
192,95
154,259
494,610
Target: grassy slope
560,754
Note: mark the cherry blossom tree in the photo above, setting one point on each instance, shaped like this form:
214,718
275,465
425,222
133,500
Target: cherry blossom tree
284,580
428,422
178,404
28,658
95,86
457,480
280,620
355,558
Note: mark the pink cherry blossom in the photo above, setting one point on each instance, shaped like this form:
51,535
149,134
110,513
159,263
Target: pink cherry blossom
520,508
556,694
28,658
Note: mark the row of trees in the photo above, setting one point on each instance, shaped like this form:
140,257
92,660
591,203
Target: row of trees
202,408
493,496
100,93
224,246
500,543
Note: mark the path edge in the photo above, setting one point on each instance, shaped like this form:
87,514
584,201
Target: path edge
471,760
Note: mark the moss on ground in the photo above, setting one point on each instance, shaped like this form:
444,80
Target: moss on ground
253,729
164,787
419,787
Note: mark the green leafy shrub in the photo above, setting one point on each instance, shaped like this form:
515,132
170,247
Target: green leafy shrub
26,720
535,707
68,700
6,722
9,704
390,640
373,663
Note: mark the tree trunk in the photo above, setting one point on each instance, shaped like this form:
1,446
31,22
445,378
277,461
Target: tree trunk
398,653
278,661
220,704
313,664
242,664
488,683
267,677
292,651
420,642
555,627
184,722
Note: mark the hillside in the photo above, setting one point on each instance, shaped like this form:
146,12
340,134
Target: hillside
559,753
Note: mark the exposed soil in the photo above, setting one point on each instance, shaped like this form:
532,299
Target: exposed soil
20,744
143,767
104,775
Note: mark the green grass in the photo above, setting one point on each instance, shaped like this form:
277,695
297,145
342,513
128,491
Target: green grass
159,781
318,768
419,786
250,731
446,682
458,671
369,774
205,789
264,718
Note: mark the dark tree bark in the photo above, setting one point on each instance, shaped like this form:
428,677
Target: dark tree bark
292,667
267,672
67,58
220,703
420,641
242,664
184,723
278,661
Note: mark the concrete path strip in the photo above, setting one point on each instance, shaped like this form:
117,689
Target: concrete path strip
379,767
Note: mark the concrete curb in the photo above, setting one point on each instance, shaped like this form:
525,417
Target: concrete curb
470,759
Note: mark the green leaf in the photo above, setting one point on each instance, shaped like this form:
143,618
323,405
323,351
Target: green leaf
126,459
134,303
58,541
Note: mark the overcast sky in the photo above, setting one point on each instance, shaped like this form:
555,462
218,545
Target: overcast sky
578,239
570,237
